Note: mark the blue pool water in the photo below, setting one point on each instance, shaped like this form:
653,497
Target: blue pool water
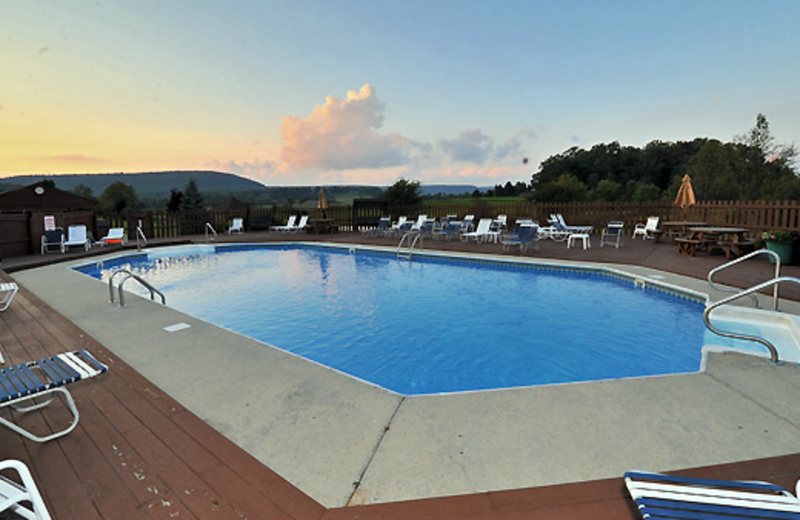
432,325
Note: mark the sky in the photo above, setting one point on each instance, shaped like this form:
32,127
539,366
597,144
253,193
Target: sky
323,92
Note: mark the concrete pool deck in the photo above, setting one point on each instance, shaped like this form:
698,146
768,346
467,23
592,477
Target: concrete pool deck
325,432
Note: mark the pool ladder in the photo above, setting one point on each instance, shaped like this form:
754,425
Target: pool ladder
774,283
413,237
147,285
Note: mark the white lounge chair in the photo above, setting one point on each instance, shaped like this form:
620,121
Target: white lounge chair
77,236
40,380
481,233
573,229
289,224
7,292
115,236
53,238
300,225
237,226
20,495
612,234
665,496
648,230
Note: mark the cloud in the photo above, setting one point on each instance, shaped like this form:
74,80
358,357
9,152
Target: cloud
342,134
473,146
470,146
257,169
75,159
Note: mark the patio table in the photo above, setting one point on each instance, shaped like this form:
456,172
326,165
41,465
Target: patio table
706,237
679,228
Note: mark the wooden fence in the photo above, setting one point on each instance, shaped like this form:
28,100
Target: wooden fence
757,216
20,233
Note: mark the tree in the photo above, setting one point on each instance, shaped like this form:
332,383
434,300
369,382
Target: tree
192,198
175,198
118,197
84,191
403,193
566,189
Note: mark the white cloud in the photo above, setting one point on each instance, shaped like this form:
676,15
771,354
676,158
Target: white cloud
342,134
257,169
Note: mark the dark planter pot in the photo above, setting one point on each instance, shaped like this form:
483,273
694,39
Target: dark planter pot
783,249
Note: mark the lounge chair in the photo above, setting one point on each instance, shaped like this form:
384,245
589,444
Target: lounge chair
289,224
41,379
237,226
383,226
77,236
481,233
664,496
7,292
20,495
300,225
573,229
421,219
648,230
526,235
468,223
612,234
453,229
115,236
53,238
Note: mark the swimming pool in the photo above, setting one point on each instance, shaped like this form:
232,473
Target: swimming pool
433,325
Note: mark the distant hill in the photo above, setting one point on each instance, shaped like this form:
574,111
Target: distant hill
451,189
147,185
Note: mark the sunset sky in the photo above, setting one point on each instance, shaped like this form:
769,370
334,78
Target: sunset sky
366,91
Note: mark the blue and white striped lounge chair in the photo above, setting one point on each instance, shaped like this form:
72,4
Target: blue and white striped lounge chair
453,229
664,496
41,379
20,495
526,235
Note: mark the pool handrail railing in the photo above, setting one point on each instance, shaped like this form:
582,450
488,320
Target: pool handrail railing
777,262
773,351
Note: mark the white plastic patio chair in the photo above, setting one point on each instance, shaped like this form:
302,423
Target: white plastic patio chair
646,230
20,495
237,226
7,292
481,233
114,236
39,380
77,236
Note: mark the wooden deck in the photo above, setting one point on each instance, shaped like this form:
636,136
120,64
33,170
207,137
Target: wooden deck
138,454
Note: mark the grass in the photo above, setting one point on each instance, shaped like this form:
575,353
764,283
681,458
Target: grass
474,200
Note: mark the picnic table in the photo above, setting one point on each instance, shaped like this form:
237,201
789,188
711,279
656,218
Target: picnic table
729,239
678,228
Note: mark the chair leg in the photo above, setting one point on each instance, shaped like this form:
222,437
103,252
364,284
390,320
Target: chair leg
27,434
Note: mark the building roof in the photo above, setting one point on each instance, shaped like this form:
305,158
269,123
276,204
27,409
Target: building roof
43,197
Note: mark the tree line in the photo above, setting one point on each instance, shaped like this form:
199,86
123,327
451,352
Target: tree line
751,167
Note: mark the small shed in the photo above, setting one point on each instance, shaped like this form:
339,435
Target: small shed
22,213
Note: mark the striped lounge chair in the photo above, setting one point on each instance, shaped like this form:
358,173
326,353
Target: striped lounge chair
40,380
664,496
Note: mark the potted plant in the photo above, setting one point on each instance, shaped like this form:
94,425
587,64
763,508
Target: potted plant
781,243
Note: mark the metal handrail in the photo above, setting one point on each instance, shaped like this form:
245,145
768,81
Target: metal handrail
417,237
210,227
153,290
773,352
742,259
140,234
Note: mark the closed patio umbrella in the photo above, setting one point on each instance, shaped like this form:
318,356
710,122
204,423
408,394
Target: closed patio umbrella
685,193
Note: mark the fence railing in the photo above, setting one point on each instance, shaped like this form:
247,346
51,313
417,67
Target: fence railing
757,216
